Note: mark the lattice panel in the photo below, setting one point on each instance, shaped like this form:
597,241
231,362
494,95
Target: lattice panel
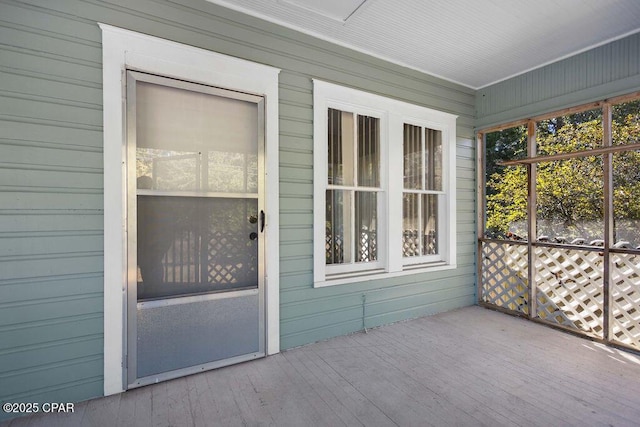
430,243
504,276
411,243
368,250
569,284
625,299
231,259
334,248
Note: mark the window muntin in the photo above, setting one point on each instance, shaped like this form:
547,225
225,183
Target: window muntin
369,179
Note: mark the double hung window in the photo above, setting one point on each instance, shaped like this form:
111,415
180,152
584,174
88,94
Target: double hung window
384,182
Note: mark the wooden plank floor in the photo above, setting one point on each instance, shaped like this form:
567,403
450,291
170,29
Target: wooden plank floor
466,367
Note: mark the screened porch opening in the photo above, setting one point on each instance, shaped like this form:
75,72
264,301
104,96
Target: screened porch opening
559,220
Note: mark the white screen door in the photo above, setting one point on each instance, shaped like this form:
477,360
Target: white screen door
195,250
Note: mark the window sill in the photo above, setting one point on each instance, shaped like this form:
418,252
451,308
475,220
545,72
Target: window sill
370,275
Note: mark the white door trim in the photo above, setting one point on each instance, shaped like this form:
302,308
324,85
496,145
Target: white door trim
124,49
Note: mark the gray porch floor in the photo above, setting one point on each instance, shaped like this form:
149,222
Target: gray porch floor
465,367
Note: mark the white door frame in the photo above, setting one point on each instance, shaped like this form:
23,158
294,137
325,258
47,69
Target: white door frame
122,50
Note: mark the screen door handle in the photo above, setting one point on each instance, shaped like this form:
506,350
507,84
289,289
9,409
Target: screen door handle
261,221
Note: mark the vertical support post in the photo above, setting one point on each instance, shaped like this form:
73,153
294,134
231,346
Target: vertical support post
480,207
531,218
608,216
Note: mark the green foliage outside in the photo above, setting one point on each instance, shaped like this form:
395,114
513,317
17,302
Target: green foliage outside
570,195
506,190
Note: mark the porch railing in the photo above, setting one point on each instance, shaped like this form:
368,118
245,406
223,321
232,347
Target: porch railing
568,287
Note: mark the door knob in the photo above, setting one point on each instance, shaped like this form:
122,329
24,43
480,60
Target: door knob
253,235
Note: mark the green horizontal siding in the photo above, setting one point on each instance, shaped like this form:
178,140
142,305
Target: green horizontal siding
51,232
606,71
367,305
46,288
51,196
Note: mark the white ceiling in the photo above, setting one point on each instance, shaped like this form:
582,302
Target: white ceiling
472,42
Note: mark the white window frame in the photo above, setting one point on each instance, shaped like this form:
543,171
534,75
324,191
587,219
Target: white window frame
393,115
122,50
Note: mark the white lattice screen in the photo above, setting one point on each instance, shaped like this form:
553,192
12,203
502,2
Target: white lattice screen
569,287
625,299
504,276
569,284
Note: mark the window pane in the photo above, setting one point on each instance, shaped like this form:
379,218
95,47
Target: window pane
506,187
174,133
232,172
626,123
368,149
412,157
338,227
626,198
189,245
570,196
410,224
433,156
340,147
420,224
430,224
220,171
366,226
167,170
573,132
334,144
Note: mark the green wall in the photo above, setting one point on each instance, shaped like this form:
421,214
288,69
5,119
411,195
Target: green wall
51,256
